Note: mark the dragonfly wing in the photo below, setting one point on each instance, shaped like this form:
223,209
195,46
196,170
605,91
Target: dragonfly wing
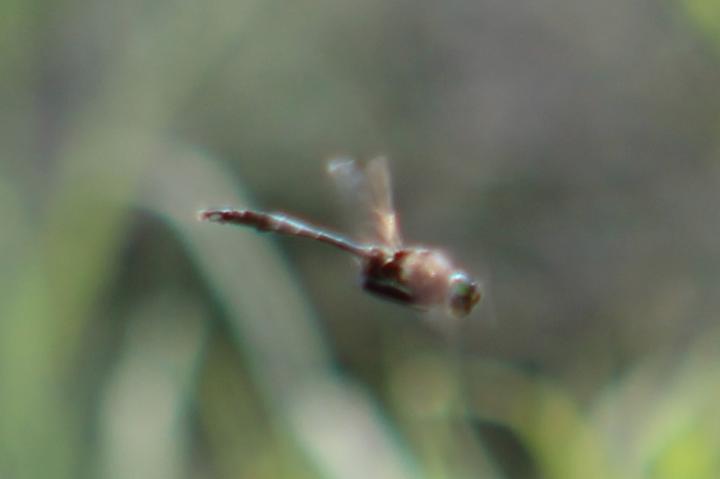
386,224
369,190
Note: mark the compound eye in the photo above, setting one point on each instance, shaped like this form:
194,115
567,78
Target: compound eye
464,295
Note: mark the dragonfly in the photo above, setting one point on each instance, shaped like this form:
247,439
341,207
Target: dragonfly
416,276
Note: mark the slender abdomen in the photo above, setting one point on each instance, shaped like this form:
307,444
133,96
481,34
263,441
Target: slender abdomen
284,225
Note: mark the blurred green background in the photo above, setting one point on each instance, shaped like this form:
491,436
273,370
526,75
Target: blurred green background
564,151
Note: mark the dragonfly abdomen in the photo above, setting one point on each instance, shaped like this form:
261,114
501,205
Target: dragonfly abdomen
281,224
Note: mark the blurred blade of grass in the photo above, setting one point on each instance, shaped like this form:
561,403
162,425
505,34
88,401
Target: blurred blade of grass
143,429
681,437
26,384
16,233
706,15
427,400
662,420
238,435
336,424
560,439
154,64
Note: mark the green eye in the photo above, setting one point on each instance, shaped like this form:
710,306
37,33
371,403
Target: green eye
464,295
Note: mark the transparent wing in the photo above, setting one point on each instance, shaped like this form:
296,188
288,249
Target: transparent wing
370,188
378,175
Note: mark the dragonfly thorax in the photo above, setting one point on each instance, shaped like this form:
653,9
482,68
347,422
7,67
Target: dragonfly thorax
418,277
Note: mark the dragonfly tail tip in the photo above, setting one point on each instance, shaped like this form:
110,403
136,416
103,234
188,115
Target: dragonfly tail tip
215,216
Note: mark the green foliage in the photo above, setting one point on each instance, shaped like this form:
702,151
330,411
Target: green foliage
706,15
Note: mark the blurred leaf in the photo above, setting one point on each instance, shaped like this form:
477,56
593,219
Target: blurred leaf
558,436
706,14
143,430
72,253
427,401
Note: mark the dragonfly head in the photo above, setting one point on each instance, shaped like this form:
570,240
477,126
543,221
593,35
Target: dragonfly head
464,294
